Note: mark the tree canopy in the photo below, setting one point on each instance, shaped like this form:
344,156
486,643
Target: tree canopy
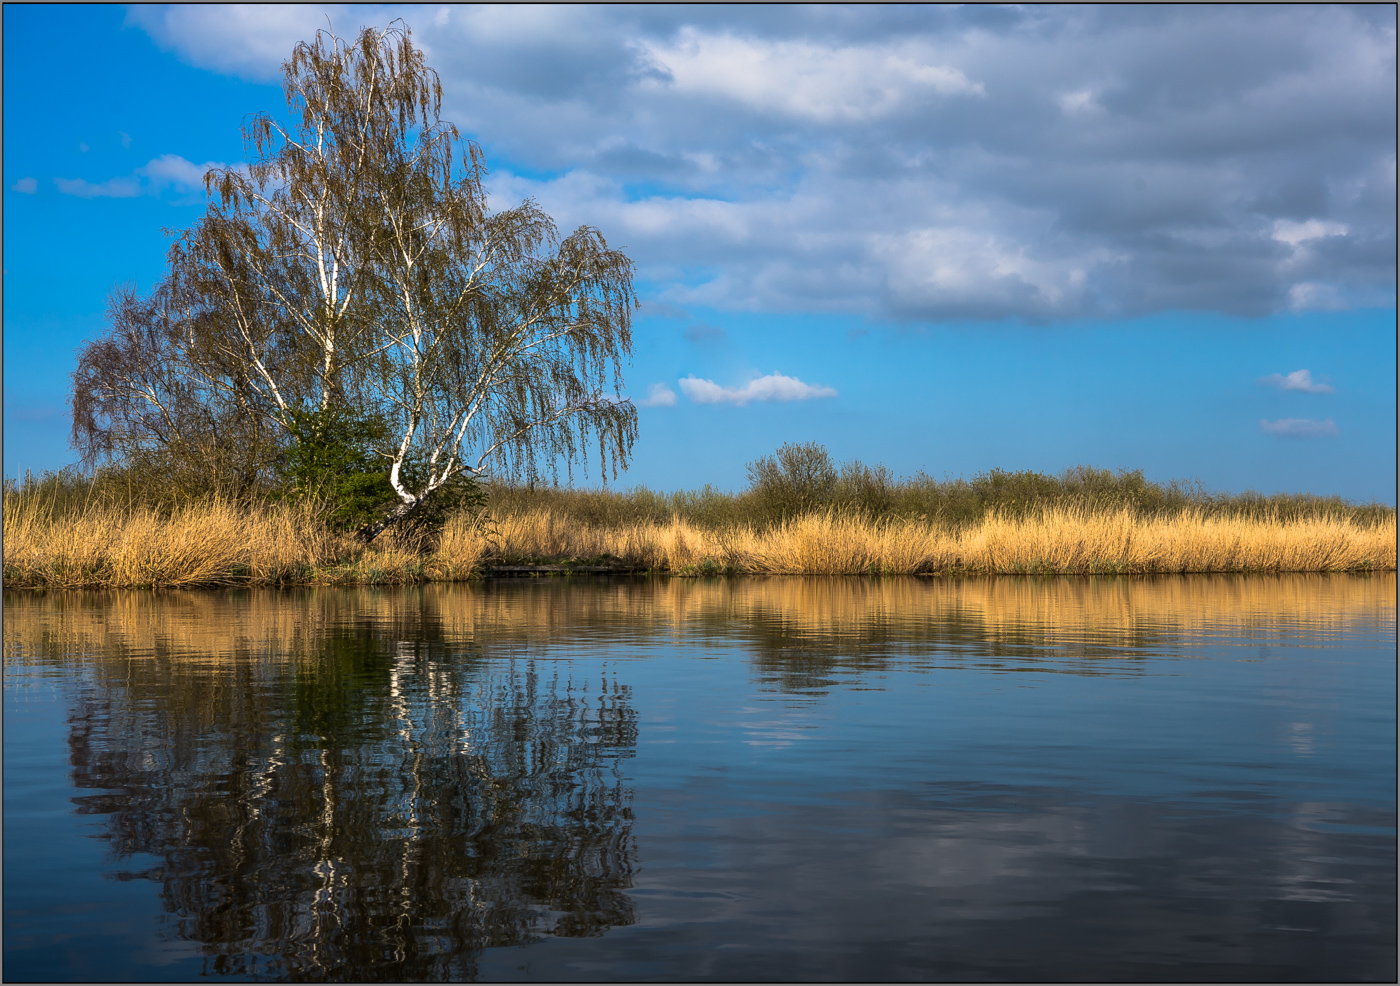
352,270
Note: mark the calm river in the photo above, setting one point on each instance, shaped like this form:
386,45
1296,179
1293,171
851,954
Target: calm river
788,779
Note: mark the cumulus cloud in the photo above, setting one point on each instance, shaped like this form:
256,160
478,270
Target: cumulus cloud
658,395
169,171
1297,380
1298,428
26,185
921,163
774,387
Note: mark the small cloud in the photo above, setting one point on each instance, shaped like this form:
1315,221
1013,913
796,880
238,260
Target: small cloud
172,169
158,174
1294,234
1297,380
82,147
774,387
704,332
853,334
1298,428
1314,296
114,188
126,138
658,395
26,185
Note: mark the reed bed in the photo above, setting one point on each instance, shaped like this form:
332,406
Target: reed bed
209,543
218,543
1056,541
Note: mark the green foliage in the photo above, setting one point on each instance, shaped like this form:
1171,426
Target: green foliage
331,458
461,494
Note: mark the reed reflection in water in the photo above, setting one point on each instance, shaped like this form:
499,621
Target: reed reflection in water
1065,616
388,783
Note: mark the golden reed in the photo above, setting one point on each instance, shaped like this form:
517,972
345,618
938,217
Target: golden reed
844,613
216,543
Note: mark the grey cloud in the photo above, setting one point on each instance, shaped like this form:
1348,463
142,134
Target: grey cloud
973,163
704,332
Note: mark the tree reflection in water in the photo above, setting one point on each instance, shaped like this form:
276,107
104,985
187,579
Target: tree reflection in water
370,809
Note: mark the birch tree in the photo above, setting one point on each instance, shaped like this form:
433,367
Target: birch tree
353,267
501,344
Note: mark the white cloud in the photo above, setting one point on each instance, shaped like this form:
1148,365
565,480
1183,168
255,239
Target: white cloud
1294,234
173,170
774,387
113,188
26,185
249,40
803,79
1297,380
1079,101
658,395
1320,296
1298,428
167,171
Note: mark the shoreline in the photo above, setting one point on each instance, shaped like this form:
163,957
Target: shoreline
563,573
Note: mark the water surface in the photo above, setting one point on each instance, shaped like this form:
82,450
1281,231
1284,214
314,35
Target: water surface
849,779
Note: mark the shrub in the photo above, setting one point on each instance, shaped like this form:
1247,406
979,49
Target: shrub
797,480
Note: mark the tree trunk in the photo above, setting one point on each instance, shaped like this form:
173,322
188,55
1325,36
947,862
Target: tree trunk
369,532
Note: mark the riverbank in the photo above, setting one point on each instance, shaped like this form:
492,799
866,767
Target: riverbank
216,543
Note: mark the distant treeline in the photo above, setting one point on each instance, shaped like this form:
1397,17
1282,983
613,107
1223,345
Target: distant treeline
797,480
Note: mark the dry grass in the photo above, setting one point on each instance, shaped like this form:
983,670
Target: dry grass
217,543
1057,541
210,543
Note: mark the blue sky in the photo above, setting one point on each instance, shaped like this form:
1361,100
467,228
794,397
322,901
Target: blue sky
937,238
